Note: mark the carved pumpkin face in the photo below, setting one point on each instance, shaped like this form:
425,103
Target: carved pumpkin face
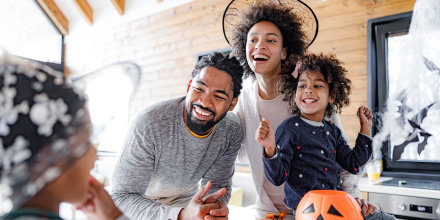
328,205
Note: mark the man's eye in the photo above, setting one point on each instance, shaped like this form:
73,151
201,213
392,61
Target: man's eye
220,98
198,89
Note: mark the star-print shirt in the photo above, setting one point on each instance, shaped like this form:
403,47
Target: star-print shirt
310,158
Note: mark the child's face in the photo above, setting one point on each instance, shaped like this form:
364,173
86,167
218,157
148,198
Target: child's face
264,48
75,179
312,95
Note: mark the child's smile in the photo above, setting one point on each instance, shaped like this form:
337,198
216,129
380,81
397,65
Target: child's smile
312,95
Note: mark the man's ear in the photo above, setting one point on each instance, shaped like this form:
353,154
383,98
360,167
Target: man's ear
233,103
189,85
284,53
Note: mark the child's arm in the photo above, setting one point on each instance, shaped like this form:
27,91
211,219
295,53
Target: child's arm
266,137
276,160
352,159
364,114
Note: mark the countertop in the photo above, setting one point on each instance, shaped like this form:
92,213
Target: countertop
412,187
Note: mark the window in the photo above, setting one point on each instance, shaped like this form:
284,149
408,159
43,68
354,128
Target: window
412,156
109,91
27,32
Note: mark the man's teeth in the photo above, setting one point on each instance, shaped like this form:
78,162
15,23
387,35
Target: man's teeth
261,57
201,112
309,100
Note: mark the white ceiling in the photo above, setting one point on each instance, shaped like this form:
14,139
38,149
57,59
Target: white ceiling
106,15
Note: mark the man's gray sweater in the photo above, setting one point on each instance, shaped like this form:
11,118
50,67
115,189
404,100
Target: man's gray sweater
162,164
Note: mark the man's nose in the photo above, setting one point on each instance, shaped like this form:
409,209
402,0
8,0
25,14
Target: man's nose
206,101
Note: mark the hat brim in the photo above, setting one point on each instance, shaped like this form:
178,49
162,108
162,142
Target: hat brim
231,17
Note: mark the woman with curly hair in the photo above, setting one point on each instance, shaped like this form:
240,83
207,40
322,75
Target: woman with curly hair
267,36
307,151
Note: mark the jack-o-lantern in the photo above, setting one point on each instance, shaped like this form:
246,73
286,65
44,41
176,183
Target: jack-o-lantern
328,205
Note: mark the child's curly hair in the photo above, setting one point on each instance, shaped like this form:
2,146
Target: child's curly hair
333,72
288,22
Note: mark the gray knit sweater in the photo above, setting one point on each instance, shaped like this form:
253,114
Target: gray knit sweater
162,164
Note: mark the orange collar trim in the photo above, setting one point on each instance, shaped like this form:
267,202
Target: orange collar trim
200,136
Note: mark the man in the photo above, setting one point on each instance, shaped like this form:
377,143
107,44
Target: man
175,144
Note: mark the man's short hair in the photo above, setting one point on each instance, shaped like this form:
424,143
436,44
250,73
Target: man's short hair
223,62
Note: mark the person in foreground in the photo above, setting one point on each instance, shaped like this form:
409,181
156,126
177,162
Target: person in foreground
307,152
45,152
265,40
175,144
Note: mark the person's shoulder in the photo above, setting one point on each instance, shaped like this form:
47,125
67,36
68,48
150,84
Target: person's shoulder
231,120
160,111
290,121
330,124
248,86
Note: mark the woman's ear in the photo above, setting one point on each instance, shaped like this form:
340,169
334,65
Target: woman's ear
284,53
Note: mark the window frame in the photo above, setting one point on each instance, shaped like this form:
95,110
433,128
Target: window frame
378,30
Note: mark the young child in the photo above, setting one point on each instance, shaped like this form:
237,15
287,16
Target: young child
45,152
308,152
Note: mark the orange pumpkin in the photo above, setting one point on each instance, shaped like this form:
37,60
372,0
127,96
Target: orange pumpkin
328,205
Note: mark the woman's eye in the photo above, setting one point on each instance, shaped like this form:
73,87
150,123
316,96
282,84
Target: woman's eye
301,86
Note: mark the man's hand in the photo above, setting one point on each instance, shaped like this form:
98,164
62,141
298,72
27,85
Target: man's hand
220,213
266,137
365,118
198,209
367,208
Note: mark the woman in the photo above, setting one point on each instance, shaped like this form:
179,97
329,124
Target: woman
45,152
268,36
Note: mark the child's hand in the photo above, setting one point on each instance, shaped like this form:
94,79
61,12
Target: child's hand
99,204
365,118
265,136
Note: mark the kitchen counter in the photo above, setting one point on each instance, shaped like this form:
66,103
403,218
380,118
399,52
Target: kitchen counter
413,187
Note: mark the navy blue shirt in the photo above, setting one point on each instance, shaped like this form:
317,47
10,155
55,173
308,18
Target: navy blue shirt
310,158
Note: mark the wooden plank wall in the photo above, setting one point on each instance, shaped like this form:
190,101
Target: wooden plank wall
165,45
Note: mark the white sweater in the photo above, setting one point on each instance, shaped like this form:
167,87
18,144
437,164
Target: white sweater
252,152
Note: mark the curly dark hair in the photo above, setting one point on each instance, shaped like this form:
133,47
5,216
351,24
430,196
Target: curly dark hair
333,72
288,22
223,62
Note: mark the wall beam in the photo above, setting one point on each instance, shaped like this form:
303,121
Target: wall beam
85,9
56,16
119,5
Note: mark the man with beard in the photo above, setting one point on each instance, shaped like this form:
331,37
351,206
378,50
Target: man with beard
175,144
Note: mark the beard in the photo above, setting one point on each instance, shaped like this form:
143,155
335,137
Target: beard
198,127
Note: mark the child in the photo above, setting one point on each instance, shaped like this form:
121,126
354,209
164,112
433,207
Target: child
308,152
45,152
